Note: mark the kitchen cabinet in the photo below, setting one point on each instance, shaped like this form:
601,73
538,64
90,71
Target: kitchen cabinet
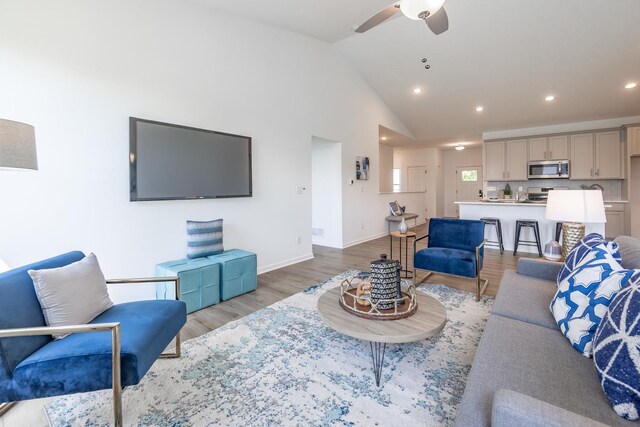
609,156
597,156
633,139
582,156
615,220
551,148
494,160
506,160
559,147
516,160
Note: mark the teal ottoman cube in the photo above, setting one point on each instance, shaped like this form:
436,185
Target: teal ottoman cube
199,282
238,272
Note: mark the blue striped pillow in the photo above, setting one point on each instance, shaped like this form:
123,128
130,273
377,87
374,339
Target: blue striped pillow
204,238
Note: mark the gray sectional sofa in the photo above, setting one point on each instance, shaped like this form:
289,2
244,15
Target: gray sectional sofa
525,372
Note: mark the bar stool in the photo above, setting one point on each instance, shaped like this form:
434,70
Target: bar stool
558,231
536,231
496,223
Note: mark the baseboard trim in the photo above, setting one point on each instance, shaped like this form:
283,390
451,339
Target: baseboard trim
373,237
285,263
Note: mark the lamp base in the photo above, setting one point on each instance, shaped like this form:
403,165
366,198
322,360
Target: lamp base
572,233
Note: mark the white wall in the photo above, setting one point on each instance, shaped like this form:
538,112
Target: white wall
77,70
386,160
452,160
326,192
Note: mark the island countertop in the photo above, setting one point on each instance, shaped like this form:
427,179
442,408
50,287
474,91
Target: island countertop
523,204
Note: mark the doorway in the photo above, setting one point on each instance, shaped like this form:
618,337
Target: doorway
326,192
468,184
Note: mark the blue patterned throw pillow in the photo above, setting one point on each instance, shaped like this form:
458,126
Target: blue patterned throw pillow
581,249
204,238
616,352
583,297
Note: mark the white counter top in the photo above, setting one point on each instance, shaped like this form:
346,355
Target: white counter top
478,202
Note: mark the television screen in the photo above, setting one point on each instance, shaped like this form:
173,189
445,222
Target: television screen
171,162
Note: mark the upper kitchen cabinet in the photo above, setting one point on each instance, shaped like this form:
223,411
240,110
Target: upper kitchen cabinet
633,140
551,148
609,155
495,154
506,160
596,156
582,156
559,147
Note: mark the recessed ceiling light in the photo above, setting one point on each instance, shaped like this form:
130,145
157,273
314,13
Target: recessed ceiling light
631,85
550,98
479,108
384,138
460,147
417,91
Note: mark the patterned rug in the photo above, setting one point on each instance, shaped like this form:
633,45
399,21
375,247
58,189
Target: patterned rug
282,366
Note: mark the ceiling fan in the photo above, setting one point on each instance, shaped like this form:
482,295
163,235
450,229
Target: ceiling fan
430,11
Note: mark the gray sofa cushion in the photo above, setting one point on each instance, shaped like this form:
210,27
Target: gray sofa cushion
535,361
511,409
540,269
630,252
525,298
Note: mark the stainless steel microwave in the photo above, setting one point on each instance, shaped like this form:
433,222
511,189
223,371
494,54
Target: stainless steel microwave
546,169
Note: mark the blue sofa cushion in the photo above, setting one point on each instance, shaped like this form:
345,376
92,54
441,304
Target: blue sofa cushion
582,249
82,362
616,346
19,308
451,233
449,261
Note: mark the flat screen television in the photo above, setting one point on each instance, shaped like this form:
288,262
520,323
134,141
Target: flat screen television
172,162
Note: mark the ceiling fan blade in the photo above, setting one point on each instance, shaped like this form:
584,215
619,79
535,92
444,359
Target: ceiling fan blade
379,18
439,22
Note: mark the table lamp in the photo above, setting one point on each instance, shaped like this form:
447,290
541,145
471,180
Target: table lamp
574,208
17,146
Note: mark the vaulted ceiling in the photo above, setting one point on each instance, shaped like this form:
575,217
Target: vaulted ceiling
505,55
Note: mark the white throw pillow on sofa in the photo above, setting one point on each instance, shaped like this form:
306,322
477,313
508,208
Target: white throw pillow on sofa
72,295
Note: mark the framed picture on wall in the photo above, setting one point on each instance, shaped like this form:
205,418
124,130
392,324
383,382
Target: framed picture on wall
362,168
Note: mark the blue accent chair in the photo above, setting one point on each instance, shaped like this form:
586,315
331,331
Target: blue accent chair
454,247
114,350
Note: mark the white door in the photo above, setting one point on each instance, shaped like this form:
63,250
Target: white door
468,184
416,178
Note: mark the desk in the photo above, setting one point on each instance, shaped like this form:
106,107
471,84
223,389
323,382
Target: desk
408,274
398,218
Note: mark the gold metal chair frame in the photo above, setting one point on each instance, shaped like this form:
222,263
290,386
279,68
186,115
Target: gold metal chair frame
114,328
481,284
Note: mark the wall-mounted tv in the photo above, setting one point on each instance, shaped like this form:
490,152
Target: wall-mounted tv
172,162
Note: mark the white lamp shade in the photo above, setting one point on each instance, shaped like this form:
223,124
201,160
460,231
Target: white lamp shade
584,206
17,146
414,8
3,266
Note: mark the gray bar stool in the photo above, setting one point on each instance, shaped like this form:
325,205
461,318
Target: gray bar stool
536,231
558,231
496,223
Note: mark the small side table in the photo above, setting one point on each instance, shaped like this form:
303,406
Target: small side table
408,274
398,218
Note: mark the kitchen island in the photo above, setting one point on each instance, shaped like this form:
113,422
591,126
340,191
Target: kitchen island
508,213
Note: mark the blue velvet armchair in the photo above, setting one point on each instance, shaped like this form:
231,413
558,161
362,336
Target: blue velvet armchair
454,247
114,350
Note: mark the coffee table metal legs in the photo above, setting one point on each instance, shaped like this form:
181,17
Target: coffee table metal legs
377,355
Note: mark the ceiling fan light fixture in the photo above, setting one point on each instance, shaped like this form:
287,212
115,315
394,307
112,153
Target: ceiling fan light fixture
420,9
460,147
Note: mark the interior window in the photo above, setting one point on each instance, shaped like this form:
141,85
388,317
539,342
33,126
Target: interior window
396,180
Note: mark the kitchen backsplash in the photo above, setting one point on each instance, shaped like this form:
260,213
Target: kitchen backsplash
612,188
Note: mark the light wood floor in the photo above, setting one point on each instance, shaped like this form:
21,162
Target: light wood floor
279,284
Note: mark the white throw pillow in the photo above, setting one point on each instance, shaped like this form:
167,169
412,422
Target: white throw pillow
72,295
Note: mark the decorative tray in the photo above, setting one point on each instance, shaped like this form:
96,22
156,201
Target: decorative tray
355,298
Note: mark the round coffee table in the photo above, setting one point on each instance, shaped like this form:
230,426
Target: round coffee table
428,321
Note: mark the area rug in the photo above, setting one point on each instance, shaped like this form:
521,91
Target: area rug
282,366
